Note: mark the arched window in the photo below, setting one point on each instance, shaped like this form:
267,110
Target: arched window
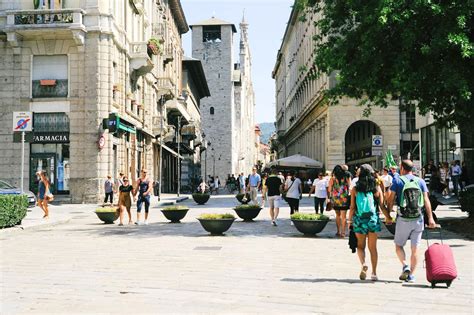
212,110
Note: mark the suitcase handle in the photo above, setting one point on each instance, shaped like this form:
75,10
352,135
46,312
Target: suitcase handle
436,229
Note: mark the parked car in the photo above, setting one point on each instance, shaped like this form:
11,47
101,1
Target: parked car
7,188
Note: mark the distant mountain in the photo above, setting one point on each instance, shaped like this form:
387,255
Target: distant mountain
267,129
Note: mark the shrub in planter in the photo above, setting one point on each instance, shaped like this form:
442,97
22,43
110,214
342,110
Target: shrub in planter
466,201
240,198
201,198
107,214
309,223
13,209
248,212
216,224
175,213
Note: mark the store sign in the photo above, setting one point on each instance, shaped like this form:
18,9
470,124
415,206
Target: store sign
50,137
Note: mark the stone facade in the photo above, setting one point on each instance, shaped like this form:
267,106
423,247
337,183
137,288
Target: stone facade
109,71
228,115
306,124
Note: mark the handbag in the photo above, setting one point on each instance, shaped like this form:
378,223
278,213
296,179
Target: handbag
286,191
49,197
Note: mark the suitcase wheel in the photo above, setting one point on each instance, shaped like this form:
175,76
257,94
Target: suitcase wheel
448,283
433,285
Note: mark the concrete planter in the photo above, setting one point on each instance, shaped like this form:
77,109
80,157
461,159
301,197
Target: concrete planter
175,216
216,226
310,227
247,214
240,198
201,199
108,217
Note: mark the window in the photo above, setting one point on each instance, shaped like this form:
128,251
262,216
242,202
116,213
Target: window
50,76
211,33
211,110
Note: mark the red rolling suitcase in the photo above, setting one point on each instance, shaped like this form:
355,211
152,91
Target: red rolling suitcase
440,265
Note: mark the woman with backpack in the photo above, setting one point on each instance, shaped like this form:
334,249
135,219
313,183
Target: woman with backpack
339,195
366,197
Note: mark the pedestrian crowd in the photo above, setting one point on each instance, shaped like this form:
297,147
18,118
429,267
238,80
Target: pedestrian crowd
358,202
446,178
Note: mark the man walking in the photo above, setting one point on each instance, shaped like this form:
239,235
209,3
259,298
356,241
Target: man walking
242,183
254,184
274,187
455,175
411,195
109,189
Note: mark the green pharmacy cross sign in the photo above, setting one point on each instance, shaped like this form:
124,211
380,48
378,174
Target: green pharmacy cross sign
114,123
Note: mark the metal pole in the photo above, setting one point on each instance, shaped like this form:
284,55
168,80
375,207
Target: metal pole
179,161
205,164
160,184
22,159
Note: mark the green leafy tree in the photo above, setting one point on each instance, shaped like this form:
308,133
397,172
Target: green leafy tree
419,50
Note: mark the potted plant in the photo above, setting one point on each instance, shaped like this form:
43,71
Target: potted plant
201,198
241,199
154,46
466,201
309,223
107,214
175,213
248,212
215,223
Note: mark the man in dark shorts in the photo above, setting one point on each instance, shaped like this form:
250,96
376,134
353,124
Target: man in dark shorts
274,188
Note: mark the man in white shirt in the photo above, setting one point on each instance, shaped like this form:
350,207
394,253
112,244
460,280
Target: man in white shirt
320,188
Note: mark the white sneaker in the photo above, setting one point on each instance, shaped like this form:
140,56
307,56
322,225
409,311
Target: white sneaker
146,222
138,223
291,223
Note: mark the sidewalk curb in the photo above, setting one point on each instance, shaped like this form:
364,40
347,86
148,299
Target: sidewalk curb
34,227
171,202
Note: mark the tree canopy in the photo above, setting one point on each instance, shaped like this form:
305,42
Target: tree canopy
418,50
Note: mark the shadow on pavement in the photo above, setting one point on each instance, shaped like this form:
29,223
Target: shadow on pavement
350,281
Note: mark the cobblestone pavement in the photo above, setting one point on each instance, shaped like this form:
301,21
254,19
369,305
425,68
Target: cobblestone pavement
83,266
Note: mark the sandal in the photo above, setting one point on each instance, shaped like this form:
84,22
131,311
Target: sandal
374,277
363,273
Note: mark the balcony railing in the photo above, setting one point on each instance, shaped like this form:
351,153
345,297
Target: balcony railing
45,17
140,61
50,88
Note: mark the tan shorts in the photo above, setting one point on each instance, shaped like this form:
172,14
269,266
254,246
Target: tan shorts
274,201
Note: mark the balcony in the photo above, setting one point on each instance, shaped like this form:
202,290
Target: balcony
177,108
49,88
64,23
159,30
156,127
140,62
165,85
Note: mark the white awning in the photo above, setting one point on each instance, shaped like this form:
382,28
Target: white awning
172,152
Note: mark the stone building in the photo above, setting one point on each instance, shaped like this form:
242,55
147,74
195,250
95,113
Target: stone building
228,115
104,75
307,125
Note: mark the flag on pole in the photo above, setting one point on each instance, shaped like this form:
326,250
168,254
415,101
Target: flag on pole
389,161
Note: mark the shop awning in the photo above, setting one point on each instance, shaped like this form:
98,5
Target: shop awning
172,152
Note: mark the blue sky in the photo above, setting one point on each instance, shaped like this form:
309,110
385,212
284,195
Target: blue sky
267,22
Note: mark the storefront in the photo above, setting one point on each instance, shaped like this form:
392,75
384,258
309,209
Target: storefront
50,151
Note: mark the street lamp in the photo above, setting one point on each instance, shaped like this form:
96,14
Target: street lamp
161,147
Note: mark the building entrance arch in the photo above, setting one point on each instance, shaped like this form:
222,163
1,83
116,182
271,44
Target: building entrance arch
358,143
